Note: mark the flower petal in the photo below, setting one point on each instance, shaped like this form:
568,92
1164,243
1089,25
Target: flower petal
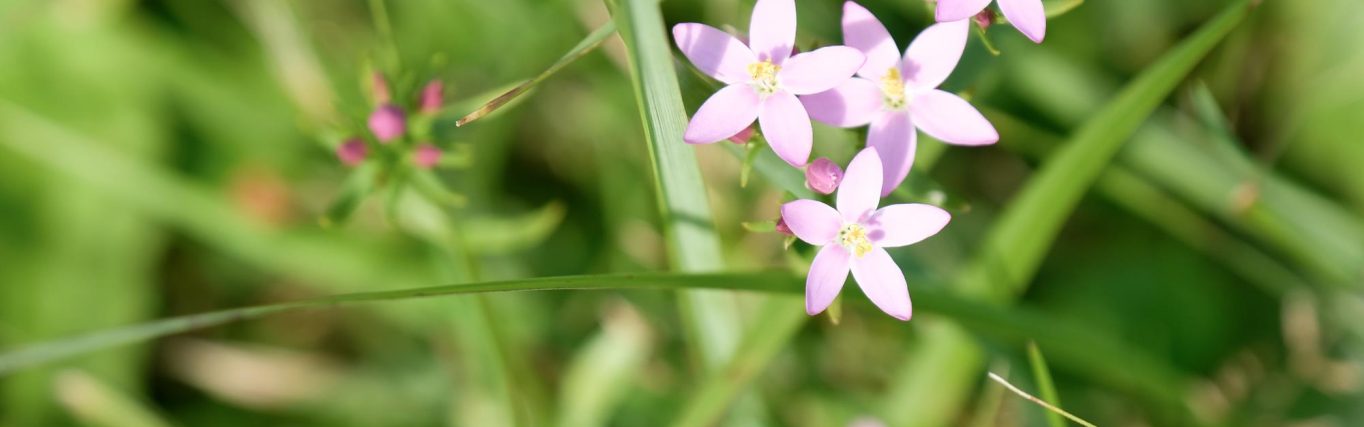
772,30
814,222
905,224
933,55
827,274
956,10
1028,16
786,126
714,52
951,119
883,282
862,31
892,135
854,103
726,113
820,70
860,191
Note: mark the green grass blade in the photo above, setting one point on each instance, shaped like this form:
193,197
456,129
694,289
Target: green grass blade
1015,247
603,372
96,403
687,223
587,45
1017,244
1045,386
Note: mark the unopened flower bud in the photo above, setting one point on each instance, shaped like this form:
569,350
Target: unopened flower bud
823,175
743,136
379,88
984,19
433,95
426,156
782,228
387,123
352,152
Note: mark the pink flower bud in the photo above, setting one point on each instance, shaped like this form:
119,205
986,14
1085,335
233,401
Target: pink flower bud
823,176
352,152
426,156
387,123
783,228
985,18
379,86
433,95
743,136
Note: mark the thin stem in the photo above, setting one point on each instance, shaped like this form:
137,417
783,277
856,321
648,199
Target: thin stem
1039,402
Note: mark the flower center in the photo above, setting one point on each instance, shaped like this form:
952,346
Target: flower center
764,76
893,89
853,237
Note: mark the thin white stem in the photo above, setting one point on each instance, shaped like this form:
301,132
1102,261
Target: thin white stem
1039,402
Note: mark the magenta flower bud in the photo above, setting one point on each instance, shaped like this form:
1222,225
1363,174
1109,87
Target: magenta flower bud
985,18
379,86
823,175
782,228
433,95
352,152
387,123
426,156
743,136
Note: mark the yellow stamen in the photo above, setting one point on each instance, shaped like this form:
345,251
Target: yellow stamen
764,76
853,237
893,89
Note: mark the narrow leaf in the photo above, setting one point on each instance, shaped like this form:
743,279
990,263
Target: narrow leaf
1042,375
583,47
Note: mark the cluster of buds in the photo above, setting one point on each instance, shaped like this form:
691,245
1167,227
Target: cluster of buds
389,124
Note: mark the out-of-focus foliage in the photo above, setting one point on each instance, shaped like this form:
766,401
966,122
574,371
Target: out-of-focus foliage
1223,244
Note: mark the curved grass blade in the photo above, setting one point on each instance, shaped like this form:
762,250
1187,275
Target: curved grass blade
1042,376
587,45
1014,248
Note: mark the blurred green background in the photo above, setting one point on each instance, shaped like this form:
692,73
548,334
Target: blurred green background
167,157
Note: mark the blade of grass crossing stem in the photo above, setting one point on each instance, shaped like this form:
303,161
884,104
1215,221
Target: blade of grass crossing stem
780,318
711,317
1042,376
1016,245
1049,407
584,47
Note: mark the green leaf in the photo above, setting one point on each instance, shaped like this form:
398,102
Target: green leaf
1057,8
583,47
1017,243
687,223
602,372
359,184
510,233
96,403
1042,376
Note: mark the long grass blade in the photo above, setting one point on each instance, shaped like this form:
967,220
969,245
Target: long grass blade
1042,375
1049,407
1014,248
688,226
587,45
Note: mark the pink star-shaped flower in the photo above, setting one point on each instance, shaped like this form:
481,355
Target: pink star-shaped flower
896,96
762,79
853,238
1028,16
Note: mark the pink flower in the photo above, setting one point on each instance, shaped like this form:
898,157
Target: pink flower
426,156
853,238
352,152
433,95
896,96
743,136
823,176
387,123
763,79
1028,16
